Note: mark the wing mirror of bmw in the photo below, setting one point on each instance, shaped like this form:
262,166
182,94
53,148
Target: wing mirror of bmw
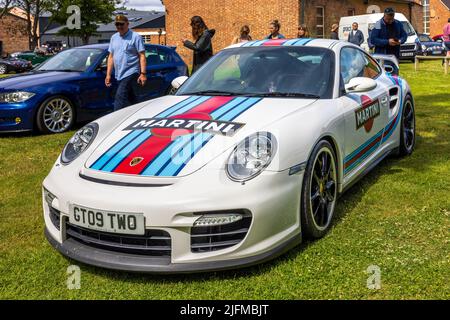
360,84
178,82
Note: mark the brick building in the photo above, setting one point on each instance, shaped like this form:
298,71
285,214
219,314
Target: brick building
13,34
436,14
227,16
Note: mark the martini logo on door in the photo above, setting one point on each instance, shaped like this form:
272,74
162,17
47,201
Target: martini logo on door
367,113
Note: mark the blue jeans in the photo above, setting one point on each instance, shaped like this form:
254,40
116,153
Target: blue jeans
127,92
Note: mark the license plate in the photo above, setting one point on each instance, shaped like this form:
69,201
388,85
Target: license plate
407,54
107,221
437,52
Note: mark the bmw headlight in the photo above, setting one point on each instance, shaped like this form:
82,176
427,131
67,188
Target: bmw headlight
14,97
251,156
80,141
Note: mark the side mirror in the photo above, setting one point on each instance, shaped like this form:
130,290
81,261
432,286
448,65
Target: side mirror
389,68
360,84
178,82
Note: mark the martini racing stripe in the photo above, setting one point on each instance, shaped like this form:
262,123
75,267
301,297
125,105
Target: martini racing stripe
182,142
274,43
173,168
107,156
154,145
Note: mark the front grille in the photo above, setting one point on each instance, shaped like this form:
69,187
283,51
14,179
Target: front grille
153,243
55,218
408,47
213,238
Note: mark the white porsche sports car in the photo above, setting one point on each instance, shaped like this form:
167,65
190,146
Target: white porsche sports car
248,157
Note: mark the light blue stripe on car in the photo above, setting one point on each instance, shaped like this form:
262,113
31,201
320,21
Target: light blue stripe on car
118,158
115,149
183,107
196,143
173,149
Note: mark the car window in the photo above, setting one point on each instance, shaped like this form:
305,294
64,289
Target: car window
263,70
425,38
155,56
355,63
72,60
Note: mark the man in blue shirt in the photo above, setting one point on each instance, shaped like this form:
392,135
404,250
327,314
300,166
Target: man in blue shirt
127,57
388,34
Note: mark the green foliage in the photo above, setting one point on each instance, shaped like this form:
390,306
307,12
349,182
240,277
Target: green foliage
93,12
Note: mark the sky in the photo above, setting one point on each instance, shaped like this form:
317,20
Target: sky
145,5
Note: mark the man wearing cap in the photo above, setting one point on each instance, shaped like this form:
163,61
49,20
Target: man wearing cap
388,34
127,57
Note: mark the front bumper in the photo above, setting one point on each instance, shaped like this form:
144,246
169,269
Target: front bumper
272,198
10,113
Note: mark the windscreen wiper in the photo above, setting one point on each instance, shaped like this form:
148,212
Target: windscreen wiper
285,94
212,93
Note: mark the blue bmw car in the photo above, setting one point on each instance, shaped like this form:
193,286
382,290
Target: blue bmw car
70,87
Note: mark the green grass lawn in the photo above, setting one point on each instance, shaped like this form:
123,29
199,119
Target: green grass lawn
397,218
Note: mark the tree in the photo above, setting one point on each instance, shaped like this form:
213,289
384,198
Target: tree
92,13
4,7
33,11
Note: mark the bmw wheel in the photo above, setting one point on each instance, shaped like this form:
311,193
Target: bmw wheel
319,191
3,69
55,115
408,128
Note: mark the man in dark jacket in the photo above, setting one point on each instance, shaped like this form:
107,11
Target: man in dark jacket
202,48
388,34
356,36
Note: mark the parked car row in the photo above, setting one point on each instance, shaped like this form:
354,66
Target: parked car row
70,87
14,64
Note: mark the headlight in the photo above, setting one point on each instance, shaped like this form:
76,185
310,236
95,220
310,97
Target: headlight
424,48
80,141
14,97
251,156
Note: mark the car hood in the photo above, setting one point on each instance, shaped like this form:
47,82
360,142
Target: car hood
35,78
159,140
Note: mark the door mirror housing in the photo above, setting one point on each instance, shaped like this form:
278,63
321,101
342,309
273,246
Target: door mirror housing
178,82
360,84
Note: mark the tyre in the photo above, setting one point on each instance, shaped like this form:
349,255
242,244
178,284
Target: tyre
55,115
3,69
319,191
407,128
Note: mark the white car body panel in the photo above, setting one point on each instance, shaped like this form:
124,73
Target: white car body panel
169,202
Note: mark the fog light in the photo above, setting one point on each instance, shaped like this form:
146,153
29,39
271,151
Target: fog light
18,120
49,197
216,219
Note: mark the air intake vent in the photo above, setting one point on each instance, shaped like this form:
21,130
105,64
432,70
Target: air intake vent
213,238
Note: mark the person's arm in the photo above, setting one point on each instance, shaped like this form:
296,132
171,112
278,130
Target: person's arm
110,66
201,45
376,40
142,60
361,38
143,63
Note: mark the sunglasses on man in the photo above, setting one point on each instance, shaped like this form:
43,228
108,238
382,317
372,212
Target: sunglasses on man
120,24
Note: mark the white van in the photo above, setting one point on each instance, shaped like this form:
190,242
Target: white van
367,22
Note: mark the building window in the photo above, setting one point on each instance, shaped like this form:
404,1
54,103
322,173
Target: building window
147,38
426,16
320,22
351,12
